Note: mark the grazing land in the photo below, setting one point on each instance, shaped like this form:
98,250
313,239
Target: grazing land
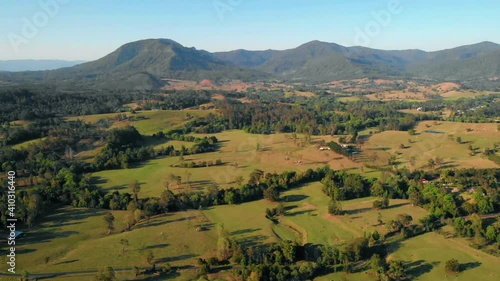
309,182
435,139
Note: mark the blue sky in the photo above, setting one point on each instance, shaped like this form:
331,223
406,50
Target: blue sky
90,29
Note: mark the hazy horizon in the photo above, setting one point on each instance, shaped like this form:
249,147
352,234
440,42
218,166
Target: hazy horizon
77,30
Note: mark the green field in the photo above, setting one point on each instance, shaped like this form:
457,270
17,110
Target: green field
235,147
27,143
67,236
63,240
431,141
155,120
425,256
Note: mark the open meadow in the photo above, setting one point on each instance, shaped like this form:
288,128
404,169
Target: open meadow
239,155
431,140
62,243
147,122
425,256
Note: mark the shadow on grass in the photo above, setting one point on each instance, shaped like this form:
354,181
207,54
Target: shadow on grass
297,213
469,265
157,246
419,268
98,180
295,198
176,258
397,205
66,262
244,231
379,148
157,222
46,236
252,241
358,211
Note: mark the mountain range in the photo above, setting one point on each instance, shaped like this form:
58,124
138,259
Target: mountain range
144,64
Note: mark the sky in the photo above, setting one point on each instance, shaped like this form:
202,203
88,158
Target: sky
90,29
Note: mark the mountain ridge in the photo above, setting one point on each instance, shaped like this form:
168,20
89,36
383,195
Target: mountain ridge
143,64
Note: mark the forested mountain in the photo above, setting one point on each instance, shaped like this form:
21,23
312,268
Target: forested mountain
318,61
143,64
140,65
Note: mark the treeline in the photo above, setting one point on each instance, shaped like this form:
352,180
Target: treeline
14,134
339,149
176,100
314,117
442,197
43,103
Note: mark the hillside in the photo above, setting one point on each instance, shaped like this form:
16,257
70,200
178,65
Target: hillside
140,65
318,61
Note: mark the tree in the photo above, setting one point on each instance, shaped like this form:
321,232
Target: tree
396,270
239,180
150,258
272,194
26,275
413,161
452,266
379,219
106,274
334,207
255,177
377,265
415,197
124,242
411,132
404,219
109,219
381,203
135,187
491,233
439,161
223,243
459,140
187,175
137,271
377,189
431,163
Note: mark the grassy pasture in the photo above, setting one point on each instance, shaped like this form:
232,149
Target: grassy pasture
425,257
277,153
432,140
306,219
27,143
247,222
455,95
156,120
68,235
307,211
